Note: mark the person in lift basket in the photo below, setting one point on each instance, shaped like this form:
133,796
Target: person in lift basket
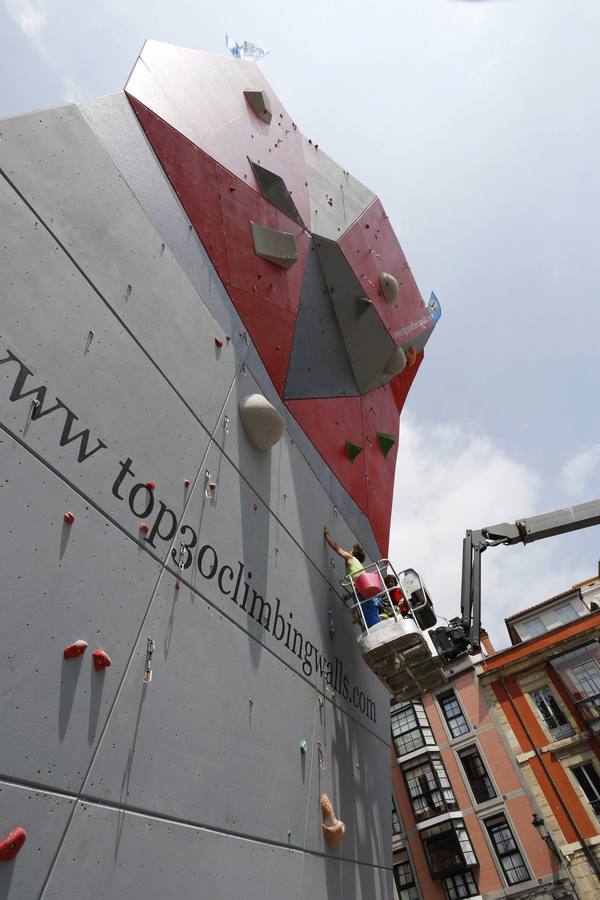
354,562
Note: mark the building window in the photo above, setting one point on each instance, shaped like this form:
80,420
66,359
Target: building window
477,776
453,714
579,671
461,885
410,727
396,823
448,848
429,788
509,856
589,781
405,879
554,719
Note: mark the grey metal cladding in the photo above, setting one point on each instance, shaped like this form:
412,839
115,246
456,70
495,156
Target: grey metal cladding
319,364
56,161
106,383
85,581
337,199
116,126
110,854
44,817
368,344
331,878
273,188
277,246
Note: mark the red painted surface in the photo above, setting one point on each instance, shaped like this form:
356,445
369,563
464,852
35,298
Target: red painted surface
329,423
402,383
265,295
101,660
11,844
75,650
371,247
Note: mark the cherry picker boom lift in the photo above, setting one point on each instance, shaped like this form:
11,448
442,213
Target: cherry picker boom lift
405,652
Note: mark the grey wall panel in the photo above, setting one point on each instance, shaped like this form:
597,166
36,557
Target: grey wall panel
115,124
62,169
191,743
111,855
240,529
353,770
337,199
368,344
44,817
286,483
319,364
113,389
329,878
60,584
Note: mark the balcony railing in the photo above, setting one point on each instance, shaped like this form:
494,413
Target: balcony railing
589,708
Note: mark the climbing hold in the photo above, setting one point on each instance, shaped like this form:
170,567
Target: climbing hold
303,746
144,528
210,487
186,482
177,585
331,625
278,247
411,355
150,485
386,441
289,832
218,342
321,755
321,702
396,363
262,423
150,647
12,843
69,518
75,650
333,829
389,287
227,338
101,660
259,102
352,450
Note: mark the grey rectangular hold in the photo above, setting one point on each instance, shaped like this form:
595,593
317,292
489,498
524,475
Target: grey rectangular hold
277,246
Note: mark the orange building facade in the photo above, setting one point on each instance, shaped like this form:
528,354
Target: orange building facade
495,775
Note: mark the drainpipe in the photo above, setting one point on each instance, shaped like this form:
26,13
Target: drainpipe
590,856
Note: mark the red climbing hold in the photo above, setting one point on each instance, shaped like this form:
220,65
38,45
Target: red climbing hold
227,338
177,585
218,342
75,650
69,518
144,528
11,844
150,485
101,660
187,482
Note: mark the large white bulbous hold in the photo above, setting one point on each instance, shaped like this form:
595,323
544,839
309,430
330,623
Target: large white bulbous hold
396,363
262,423
389,286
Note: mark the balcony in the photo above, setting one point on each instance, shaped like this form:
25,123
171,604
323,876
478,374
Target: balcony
579,672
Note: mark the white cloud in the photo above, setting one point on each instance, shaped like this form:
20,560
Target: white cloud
29,15
448,479
578,470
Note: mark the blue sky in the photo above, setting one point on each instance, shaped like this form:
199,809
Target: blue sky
478,124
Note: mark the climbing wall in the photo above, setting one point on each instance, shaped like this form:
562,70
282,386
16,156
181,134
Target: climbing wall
180,679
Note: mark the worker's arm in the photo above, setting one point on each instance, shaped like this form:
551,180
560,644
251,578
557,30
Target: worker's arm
335,546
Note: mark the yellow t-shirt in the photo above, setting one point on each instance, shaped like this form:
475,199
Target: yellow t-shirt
353,567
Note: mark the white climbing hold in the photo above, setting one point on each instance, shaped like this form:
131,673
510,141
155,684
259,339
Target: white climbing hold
396,363
389,286
262,423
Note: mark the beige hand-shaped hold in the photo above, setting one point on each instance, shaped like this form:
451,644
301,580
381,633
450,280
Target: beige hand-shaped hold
333,829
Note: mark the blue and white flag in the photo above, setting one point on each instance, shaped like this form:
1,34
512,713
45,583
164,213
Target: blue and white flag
247,50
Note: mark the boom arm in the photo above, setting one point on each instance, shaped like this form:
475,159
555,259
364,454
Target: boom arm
465,633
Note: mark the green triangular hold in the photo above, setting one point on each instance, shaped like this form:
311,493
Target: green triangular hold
352,450
386,441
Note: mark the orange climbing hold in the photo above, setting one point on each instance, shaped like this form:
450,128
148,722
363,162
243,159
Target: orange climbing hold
69,518
333,829
11,844
144,528
101,660
75,650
